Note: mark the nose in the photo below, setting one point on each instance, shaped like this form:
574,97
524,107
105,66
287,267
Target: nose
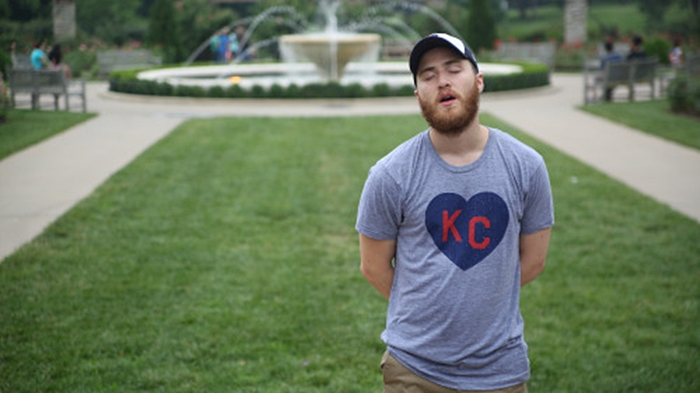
443,79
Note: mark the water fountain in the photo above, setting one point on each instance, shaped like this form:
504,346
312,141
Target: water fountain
345,54
331,50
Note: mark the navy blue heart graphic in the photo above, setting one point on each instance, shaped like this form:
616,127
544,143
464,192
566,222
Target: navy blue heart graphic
467,232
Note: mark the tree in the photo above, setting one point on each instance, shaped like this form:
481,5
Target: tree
163,29
481,26
654,11
112,21
26,10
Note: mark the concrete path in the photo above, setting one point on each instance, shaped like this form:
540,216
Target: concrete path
663,170
41,183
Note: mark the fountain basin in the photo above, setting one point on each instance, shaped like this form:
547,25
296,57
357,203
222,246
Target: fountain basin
247,75
329,52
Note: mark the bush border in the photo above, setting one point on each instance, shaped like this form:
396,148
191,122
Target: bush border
126,81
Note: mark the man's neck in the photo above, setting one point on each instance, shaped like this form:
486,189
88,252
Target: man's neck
462,149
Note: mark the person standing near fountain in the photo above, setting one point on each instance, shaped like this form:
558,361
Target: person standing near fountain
452,224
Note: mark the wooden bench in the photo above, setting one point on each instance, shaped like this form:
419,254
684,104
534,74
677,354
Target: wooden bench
21,60
116,59
38,82
618,73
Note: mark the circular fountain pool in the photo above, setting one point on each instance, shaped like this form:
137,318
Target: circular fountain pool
247,75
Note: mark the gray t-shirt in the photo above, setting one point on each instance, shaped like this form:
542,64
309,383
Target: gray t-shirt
453,315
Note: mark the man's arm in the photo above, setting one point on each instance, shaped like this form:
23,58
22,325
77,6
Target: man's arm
533,253
376,263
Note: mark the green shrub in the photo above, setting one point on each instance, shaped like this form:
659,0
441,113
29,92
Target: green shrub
5,62
312,90
658,47
381,90
4,101
83,63
217,92
684,95
571,57
406,90
355,90
257,91
293,91
277,91
189,91
235,91
532,75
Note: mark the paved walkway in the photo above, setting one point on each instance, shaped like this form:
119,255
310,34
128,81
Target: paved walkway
39,184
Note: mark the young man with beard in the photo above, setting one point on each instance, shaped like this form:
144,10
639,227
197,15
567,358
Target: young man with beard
452,223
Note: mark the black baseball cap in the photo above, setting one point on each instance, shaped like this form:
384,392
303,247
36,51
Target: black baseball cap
439,40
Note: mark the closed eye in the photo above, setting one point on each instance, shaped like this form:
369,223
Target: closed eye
428,75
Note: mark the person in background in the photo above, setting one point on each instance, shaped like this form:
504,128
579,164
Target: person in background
610,56
13,54
38,57
214,46
56,60
224,47
675,56
452,223
637,49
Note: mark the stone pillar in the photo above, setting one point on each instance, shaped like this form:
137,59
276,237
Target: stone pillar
63,19
575,16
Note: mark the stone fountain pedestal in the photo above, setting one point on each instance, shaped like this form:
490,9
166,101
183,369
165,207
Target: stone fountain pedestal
330,53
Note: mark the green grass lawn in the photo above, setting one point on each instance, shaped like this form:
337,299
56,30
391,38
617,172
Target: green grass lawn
225,259
26,127
653,117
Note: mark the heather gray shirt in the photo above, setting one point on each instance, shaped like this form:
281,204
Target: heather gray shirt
453,315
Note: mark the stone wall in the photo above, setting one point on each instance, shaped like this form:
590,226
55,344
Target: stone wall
63,19
576,14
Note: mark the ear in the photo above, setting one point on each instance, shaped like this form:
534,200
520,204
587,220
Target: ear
480,82
415,93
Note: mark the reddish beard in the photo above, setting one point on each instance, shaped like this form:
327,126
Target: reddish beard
456,120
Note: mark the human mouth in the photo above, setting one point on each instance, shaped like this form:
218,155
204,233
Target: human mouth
447,99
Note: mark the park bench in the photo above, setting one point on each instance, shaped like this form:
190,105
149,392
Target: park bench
618,73
117,59
21,60
41,82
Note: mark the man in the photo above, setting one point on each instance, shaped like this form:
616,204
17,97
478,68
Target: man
609,57
452,223
38,56
636,49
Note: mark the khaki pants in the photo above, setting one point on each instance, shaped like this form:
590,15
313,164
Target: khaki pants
399,379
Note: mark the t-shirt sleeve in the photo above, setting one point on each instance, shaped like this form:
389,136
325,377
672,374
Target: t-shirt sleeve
379,210
538,213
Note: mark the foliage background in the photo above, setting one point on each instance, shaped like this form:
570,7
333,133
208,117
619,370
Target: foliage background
123,22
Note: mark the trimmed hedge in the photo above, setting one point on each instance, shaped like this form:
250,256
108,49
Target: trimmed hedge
125,81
